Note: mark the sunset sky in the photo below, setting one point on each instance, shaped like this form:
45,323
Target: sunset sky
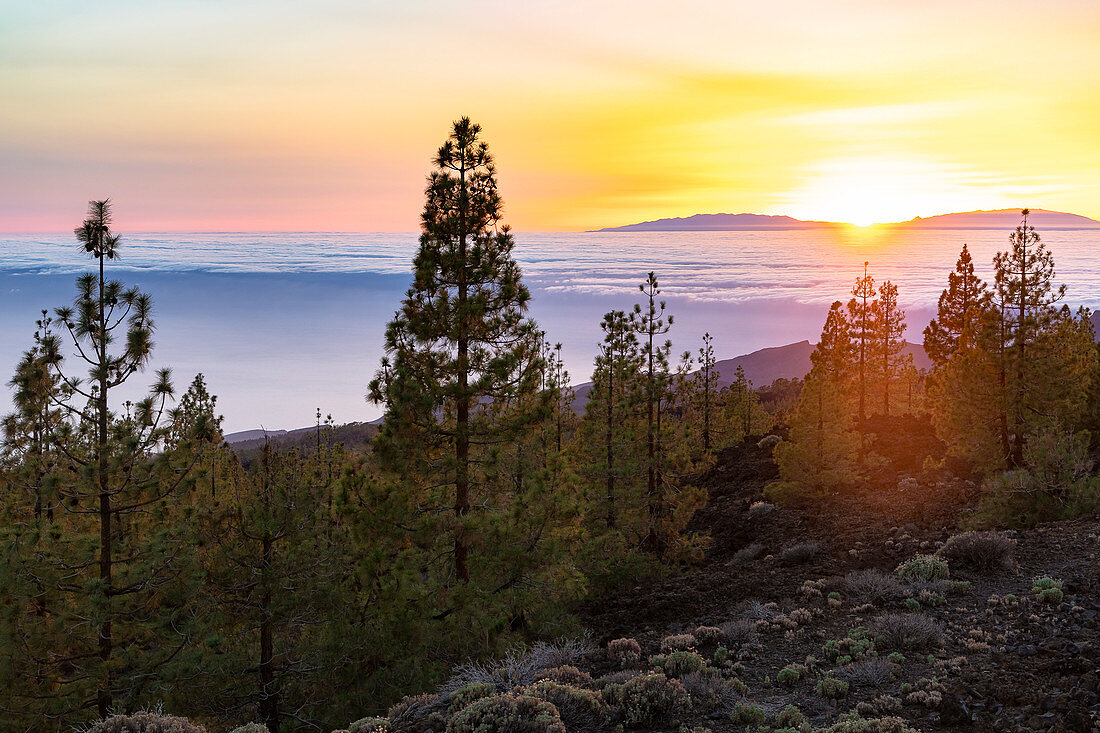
323,115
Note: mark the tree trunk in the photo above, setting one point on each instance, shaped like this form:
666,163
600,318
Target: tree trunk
104,697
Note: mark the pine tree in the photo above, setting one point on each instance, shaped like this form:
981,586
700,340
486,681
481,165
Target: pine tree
110,567
889,325
834,354
461,340
649,322
705,386
861,315
960,307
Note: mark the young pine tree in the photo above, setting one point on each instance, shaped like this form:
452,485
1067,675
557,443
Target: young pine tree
861,317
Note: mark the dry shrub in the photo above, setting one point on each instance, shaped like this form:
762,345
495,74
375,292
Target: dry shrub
873,586
748,553
867,672
148,721
708,635
799,554
738,631
709,691
906,632
677,643
624,652
981,551
417,714
569,675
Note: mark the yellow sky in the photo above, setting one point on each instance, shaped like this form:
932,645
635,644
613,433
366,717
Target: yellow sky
230,115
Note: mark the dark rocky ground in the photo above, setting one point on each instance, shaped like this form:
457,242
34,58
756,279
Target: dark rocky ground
1004,665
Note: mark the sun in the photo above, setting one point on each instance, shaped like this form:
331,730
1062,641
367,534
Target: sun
866,191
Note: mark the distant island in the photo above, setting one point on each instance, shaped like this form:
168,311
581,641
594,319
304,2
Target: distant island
999,219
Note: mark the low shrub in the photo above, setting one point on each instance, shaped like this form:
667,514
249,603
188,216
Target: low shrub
868,672
832,688
748,553
508,713
1047,590
624,652
567,651
739,631
367,725
569,675
791,674
678,664
750,715
768,442
855,645
418,714
465,696
517,668
252,728
648,700
148,721
790,717
855,724
708,635
980,551
923,567
873,586
677,643
711,692
799,554
906,632
580,710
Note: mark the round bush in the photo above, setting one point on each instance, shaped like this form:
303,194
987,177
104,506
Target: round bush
508,713
648,700
923,567
579,709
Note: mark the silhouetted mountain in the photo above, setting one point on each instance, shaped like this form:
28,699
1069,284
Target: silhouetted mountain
353,435
1000,219
720,223
765,366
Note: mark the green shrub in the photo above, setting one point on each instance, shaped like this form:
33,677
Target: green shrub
832,688
579,709
923,567
895,658
1047,590
748,714
367,725
464,696
648,700
145,722
790,674
856,644
678,664
790,717
507,713
912,604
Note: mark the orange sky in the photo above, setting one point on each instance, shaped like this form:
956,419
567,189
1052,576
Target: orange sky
324,115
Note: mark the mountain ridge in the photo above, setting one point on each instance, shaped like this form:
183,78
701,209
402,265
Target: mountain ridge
982,219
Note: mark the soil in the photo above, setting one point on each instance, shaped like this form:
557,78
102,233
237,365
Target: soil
1016,665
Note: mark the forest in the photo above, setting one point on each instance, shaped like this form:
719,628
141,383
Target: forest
148,566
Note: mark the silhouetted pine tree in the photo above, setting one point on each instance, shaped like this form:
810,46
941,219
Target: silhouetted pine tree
960,307
861,317
889,325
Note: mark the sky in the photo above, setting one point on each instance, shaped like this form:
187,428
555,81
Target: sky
225,115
